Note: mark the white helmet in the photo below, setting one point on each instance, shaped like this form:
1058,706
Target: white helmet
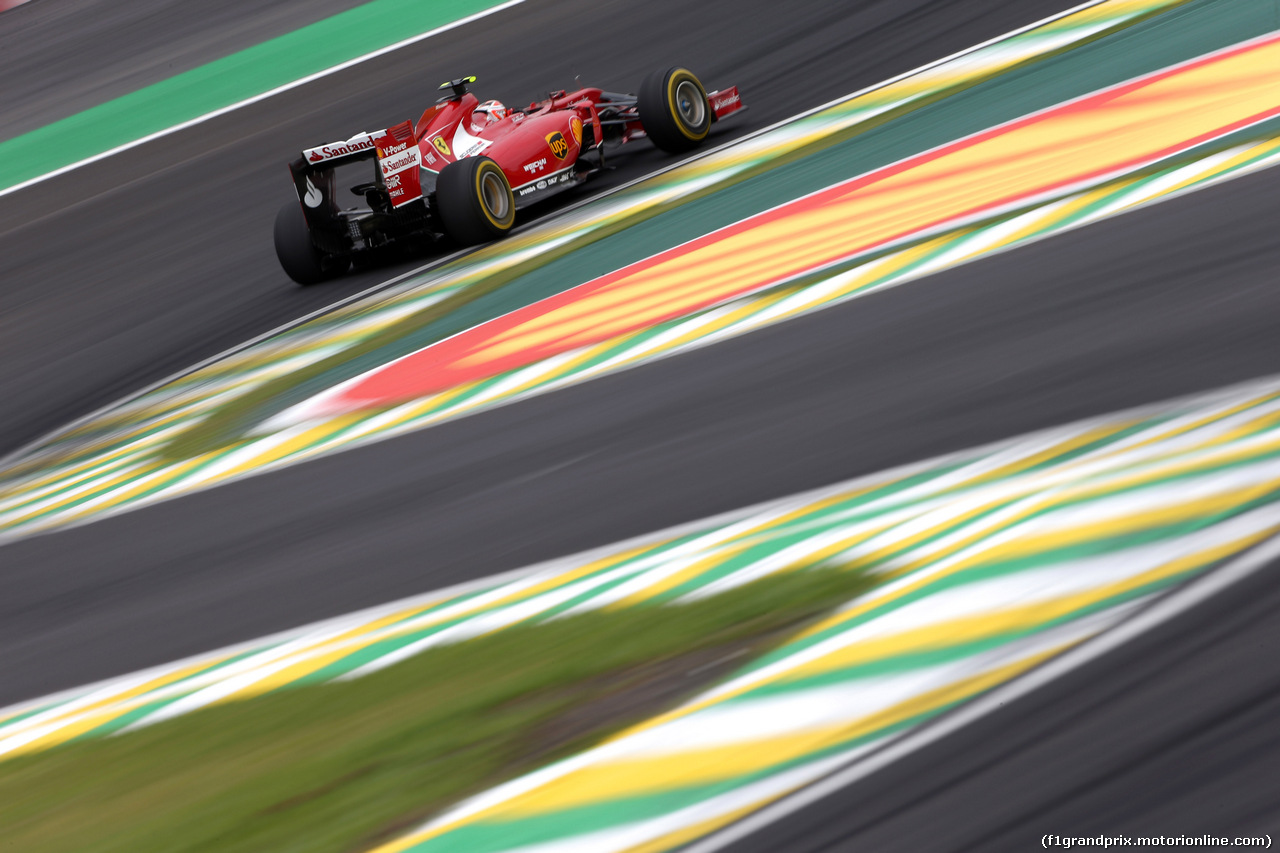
488,113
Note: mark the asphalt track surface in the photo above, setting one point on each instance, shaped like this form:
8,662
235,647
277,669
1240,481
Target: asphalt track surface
1176,298
58,57
120,273
1173,299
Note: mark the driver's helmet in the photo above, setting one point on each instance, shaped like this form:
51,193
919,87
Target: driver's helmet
487,113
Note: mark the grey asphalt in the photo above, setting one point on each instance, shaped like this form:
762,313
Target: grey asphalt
58,57
123,272
1173,299
164,258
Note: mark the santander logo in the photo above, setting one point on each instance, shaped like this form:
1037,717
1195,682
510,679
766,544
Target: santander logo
395,164
359,142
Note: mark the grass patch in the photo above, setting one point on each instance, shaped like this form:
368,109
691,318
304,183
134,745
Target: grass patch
339,767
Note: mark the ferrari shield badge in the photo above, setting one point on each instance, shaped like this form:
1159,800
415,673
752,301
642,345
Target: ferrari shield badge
558,145
441,145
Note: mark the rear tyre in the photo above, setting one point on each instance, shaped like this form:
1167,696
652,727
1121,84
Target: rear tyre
674,110
474,200
302,261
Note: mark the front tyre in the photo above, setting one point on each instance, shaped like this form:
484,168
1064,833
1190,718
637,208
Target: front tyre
474,201
302,261
674,110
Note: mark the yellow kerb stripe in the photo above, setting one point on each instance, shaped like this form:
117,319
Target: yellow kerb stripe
994,623
638,776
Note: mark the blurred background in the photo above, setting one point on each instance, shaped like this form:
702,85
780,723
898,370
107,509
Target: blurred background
893,471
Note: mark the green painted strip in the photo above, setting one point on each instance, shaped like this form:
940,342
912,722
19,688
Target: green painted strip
495,835
222,83
123,721
144,472
110,469
906,662
990,570
26,715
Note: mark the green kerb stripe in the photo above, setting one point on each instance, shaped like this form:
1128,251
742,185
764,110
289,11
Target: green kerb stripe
230,80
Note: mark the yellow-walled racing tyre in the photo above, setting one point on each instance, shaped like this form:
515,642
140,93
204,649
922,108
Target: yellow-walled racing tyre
474,201
674,110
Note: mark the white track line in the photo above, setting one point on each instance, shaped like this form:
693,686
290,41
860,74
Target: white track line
302,81
1174,604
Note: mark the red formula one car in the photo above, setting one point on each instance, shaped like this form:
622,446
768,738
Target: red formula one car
465,167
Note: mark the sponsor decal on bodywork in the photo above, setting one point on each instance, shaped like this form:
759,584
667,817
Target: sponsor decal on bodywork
558,145
575,127
313,197
536,166
392,149
400,174
725,102
467,145
550,182
399,161
360,142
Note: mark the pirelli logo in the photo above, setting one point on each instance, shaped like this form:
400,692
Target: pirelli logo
558,145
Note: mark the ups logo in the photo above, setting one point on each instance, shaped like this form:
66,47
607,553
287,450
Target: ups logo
441,145
558,145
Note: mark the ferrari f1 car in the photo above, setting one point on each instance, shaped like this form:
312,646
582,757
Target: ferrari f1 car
464,168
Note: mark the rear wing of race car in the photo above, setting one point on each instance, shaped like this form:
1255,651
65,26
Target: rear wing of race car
313,174
396,152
